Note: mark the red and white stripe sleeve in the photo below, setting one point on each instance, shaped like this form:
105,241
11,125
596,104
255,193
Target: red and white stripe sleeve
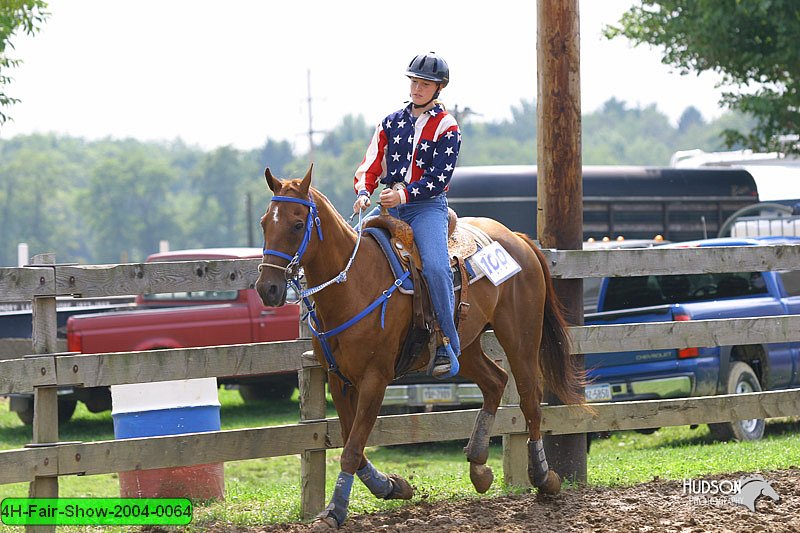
373,166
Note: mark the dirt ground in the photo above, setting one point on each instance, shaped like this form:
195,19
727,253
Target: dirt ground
657,506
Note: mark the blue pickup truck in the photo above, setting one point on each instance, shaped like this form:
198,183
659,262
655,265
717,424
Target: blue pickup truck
697,371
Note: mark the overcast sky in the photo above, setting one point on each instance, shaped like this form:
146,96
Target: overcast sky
235,72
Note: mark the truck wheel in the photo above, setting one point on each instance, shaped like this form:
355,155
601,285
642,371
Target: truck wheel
741,379
271,388
66,408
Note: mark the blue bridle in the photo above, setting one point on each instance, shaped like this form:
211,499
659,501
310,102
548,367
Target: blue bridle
312,219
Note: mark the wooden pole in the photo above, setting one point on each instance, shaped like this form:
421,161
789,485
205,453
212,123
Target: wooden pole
560,186
45,399
312,463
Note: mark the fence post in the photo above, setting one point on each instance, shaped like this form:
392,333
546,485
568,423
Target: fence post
312,463
45,399
515,445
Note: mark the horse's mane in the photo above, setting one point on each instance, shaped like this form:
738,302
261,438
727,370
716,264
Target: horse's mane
321,199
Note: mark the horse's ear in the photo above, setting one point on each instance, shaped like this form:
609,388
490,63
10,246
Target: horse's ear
273,183
306,183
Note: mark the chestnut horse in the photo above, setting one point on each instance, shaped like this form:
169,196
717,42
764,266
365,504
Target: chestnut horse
302,228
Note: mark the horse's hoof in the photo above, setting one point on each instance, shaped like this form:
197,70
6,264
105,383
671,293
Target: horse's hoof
324,523
481,477
401,489
551,485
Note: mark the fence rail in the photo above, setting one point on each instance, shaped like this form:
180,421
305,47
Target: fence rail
24,283
95,370
45,372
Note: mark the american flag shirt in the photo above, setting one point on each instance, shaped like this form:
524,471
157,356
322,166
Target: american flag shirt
419,152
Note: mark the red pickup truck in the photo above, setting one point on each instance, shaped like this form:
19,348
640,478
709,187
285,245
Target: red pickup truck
180,320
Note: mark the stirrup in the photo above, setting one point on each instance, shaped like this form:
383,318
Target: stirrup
445,363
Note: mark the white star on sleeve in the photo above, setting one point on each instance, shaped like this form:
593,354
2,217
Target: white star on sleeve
394,172
408,156
410,139
396,139
401,124
388,123
449,150
442,177
435,153
449,134
424,146
419,163
403,171
447,167
395,157
430,185
414,191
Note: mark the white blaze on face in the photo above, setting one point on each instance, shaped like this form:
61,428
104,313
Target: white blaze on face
275,213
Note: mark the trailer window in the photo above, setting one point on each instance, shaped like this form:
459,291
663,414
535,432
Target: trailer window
193,296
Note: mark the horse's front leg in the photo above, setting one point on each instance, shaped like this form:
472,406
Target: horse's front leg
370,396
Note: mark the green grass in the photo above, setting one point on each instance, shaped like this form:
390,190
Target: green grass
262,491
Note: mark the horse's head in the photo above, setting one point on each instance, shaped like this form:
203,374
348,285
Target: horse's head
288,227
770,492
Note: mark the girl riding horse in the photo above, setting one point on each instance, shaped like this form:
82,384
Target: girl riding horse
413,152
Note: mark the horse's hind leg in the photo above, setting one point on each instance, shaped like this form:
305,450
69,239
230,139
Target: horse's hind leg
521,346
491,379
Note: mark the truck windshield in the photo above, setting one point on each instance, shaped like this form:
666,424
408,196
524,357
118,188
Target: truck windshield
193,296
645,291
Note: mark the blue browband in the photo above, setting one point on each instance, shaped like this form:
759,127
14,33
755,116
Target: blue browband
311,220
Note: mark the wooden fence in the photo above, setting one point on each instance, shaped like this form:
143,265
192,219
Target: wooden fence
45,370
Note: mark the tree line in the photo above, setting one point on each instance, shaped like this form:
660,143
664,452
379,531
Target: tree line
113,200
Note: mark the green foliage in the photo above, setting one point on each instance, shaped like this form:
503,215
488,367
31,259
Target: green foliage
15,15
114,200
751,43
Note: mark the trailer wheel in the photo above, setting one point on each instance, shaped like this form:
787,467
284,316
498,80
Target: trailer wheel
66,408
741,379
269,388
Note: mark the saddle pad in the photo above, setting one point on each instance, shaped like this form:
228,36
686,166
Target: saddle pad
382,237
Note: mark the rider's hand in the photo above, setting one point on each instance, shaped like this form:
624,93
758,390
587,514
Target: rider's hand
361,203
390,198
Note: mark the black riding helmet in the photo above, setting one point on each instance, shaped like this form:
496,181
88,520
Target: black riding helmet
432,68
429,67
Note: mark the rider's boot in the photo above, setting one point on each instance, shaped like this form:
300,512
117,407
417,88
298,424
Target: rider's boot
445,363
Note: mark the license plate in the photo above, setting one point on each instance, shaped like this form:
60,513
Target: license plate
600,392
438,394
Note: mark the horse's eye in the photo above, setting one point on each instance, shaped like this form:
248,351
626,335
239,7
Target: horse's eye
298,226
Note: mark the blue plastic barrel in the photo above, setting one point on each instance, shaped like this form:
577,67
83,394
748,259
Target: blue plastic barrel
168,408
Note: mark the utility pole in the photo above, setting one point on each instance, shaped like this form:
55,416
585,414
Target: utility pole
560,184
248,208
310,120
311,130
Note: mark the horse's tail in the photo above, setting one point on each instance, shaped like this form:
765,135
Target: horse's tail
563,377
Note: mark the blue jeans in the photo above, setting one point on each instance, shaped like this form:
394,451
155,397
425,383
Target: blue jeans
428,219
